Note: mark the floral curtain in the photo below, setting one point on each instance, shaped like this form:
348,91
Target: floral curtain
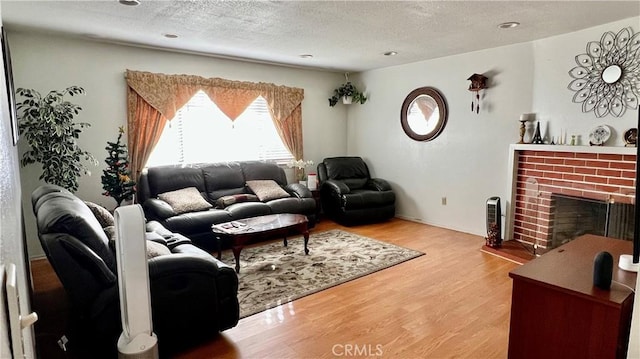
155,98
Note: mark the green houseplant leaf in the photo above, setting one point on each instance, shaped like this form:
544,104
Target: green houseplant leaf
347,90
47,126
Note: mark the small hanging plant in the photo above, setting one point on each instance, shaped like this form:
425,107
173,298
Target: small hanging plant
348,93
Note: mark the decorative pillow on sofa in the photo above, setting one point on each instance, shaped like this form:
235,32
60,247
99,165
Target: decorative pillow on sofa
155,249
110,231
225,201
104,217
185,200
267,190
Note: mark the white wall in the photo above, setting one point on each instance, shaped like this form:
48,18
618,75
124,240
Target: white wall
554,57
45,63
11,236
467,163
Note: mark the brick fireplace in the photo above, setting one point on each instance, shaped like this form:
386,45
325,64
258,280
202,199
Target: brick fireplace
542,173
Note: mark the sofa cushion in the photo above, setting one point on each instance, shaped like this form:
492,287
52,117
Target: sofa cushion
267,190
222,179
185,200
199,222
353,171
248,209
293,205
225,201
163,179
256,170
104,217
340,168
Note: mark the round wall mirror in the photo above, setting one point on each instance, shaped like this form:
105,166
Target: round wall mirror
611,74
423,114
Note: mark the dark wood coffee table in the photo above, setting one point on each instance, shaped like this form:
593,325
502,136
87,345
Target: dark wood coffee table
245,230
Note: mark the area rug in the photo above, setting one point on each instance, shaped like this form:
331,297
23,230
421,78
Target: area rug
271,274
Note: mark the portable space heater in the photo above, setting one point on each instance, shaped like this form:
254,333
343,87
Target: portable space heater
494,222
137,340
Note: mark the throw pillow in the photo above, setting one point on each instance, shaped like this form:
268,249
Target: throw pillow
155,249
225,201
104,217
185,200
267,190
110,231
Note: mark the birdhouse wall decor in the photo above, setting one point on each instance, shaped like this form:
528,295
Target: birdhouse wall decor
478,84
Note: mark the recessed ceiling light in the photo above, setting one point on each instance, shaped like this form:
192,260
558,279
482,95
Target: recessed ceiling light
390,53
130,2
306,56
508,25
170,36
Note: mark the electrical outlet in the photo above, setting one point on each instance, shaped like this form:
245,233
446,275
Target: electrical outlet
444,201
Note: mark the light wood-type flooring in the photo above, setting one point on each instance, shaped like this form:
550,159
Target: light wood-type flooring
453,302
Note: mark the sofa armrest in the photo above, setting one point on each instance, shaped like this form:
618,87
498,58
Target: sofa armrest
298,190
184,285
158,209
88,259
378,184
337,187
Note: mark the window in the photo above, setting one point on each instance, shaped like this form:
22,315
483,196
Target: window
200,132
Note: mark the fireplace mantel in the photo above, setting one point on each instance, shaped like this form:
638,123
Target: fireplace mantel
574,149
609,167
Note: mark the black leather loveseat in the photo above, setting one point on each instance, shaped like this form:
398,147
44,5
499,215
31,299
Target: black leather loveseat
193,295
350,196
215,182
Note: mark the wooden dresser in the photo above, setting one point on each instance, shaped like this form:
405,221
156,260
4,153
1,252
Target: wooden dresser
556,312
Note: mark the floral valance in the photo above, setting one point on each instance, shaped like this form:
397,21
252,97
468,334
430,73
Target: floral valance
168,93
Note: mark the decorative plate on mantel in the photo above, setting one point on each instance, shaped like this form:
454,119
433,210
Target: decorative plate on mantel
599,135
631,137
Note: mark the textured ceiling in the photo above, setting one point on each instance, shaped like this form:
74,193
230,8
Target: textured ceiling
341,35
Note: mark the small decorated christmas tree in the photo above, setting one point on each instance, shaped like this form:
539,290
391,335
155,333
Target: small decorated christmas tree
116,179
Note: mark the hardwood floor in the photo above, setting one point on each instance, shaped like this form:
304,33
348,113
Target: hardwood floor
452,302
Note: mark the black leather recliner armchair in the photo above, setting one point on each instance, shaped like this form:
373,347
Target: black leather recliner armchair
193,295
350,196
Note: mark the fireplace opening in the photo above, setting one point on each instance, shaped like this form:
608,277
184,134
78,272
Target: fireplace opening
575,216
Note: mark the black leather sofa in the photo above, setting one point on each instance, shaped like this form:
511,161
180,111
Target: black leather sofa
350,196
193,295
213,181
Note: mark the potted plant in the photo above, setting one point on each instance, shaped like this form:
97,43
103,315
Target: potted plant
300,166
349,93
46,123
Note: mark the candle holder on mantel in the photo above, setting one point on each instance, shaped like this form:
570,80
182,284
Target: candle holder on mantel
524,118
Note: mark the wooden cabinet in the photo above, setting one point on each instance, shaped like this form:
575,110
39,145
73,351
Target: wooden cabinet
556,312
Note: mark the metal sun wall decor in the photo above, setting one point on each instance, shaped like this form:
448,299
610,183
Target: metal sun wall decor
607,78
